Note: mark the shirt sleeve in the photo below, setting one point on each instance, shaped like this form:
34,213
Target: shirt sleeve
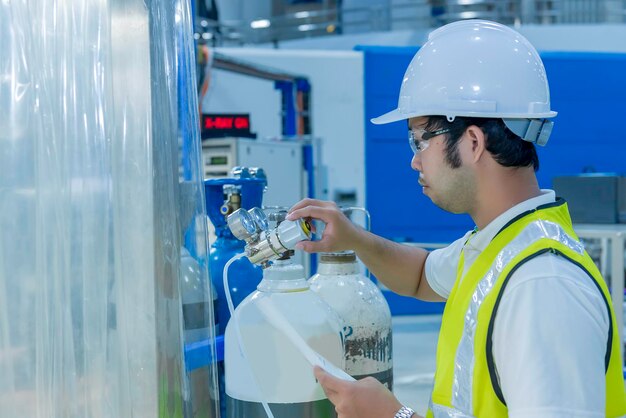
549,343
441,266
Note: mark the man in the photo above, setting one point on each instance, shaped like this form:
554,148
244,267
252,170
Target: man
528,329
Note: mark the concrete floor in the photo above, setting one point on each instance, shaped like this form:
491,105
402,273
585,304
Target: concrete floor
414,347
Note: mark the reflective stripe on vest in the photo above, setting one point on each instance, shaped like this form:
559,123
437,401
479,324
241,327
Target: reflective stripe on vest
440,411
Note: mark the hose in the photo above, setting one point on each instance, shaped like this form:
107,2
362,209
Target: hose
235,318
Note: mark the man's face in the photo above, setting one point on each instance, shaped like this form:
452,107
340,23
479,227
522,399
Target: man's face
452,189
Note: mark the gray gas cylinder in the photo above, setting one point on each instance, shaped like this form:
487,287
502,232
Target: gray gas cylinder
365,312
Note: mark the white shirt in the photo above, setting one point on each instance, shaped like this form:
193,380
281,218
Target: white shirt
551,328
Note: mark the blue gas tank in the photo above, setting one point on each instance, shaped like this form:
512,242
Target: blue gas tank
243,276
224,196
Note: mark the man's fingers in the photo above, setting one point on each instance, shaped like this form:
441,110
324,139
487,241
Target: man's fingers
311,202
328,381
303,203
314,212
312,246
330,394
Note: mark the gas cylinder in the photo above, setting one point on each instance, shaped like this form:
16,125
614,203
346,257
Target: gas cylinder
223,197
365,314
269,367
194,294
197,321
243,190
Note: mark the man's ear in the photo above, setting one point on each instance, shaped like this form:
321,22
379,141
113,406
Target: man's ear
477,142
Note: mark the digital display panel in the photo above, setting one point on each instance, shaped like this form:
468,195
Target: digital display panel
223,125
218,160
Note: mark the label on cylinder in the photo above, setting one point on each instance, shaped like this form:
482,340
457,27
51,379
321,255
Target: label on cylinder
368,352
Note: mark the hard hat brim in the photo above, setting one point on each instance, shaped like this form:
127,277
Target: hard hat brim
389,117
397,115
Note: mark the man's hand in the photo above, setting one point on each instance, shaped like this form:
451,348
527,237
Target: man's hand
365,398
399,267
340,234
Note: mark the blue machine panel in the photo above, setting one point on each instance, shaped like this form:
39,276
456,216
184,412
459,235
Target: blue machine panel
587,89
589,92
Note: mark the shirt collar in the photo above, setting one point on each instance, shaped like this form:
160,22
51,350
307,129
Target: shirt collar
483,237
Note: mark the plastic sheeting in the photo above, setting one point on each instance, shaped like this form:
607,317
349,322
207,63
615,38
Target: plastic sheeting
100,190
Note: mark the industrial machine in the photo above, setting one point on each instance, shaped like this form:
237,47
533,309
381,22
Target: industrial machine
281,160
593,198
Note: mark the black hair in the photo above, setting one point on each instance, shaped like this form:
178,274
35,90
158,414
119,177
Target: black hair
508,149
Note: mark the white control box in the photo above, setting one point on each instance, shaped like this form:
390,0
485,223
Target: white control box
281,160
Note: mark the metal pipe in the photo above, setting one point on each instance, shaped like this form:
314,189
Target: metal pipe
224,62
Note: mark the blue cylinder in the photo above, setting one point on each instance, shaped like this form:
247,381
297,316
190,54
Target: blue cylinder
243,276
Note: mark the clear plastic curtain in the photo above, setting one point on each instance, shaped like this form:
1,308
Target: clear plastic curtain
100,189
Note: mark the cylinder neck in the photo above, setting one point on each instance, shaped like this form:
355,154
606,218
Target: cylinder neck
283,276
343,263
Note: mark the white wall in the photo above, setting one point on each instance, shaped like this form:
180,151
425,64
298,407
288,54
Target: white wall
337,105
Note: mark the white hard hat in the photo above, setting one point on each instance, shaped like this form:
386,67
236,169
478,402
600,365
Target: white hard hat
476,68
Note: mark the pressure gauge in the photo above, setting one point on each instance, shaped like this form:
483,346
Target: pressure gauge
260,219
262,244
241,224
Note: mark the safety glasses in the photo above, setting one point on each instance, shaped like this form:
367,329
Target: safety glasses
418,138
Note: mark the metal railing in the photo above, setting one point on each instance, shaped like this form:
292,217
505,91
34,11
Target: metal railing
408,14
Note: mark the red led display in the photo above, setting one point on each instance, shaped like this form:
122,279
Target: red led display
226,125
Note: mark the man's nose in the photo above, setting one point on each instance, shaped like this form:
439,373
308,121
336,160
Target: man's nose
416,162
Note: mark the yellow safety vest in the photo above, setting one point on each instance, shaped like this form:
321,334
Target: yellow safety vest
466,383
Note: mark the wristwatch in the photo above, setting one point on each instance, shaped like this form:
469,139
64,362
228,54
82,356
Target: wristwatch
404,412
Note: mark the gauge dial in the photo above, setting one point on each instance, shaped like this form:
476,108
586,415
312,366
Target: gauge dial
260,219
241,224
